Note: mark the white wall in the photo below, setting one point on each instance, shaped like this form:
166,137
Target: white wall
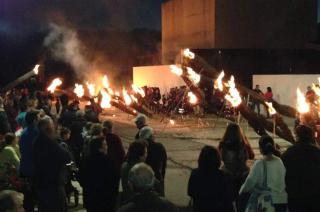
284,86
156,76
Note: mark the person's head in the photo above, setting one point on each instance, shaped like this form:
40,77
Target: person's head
266,145
1,102
107,126
141,178
304,134
96,130
233,136
209,159
98,145
11,201
80,114
269,89
309,88
257,86
32,118
65,133
46,126
137,152
146,134
140,121
10,139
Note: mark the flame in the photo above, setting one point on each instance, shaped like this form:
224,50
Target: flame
192,98
54,84
91,88
187,53
36,69
105,81
79,90
117,93
234,96
302,105
105,101
176,70
126,97
172,122
88,103
110,91
96,100
271,109
133,98
218,83
195,77
138,90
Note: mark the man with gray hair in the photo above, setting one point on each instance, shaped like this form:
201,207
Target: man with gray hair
49,160
141,179
11,201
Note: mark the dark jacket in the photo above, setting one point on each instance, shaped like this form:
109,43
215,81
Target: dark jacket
210,191
4,122
157,159
116,151
49,160
302,162
99,182
148,202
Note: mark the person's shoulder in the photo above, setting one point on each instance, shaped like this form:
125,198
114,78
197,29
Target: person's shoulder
129,207
166,204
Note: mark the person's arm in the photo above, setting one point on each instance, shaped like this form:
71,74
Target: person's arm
12,156
191,185
253,178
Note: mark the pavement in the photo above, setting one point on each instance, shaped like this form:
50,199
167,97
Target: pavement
183,142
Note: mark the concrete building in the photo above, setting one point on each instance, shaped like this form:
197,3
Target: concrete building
234,24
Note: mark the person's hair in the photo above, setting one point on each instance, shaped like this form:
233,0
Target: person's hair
209,158
269,89
96,129
31,116
88,125
141,177
64,131
233,137
44,123
10,200
79,114
95,145
107,124
146,134
9,138
266,144
141,119
135,151
304,134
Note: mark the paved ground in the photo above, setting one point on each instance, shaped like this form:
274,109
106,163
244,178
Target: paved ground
183,142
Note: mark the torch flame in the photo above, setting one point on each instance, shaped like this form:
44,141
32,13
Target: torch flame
91,88
187,53
176,70
54,84
105,81
126,97
138,90
302,105
172,122
271,109
110,91
218,83
316,89
195,77
234,96
105,101
79,90
192,98
36,69
133,98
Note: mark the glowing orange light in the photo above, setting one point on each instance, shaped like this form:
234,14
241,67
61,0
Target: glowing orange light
194,77
192,98
271,109
187,53
234,96
106,99
176,70
218,83
79,90
54,84
302,105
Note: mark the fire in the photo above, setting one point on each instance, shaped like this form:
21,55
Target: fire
302,105
271,109
172,122
138,90
316,89
105,81
218,83
79,90
91,88
234,96
187,53
192,98
105,101
126,97
195,77
133,98
117,93
176,70
36,69
88,103
54,84
110,91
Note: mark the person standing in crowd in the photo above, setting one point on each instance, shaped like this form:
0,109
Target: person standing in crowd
141,179
11,201
137,153
256,103
302,162
96,131
27,139
235,151
141,123
8,154
49,160
98,178
268,96
156,157
4,122
267,178
208,186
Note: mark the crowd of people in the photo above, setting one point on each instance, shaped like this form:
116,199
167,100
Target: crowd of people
43,152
